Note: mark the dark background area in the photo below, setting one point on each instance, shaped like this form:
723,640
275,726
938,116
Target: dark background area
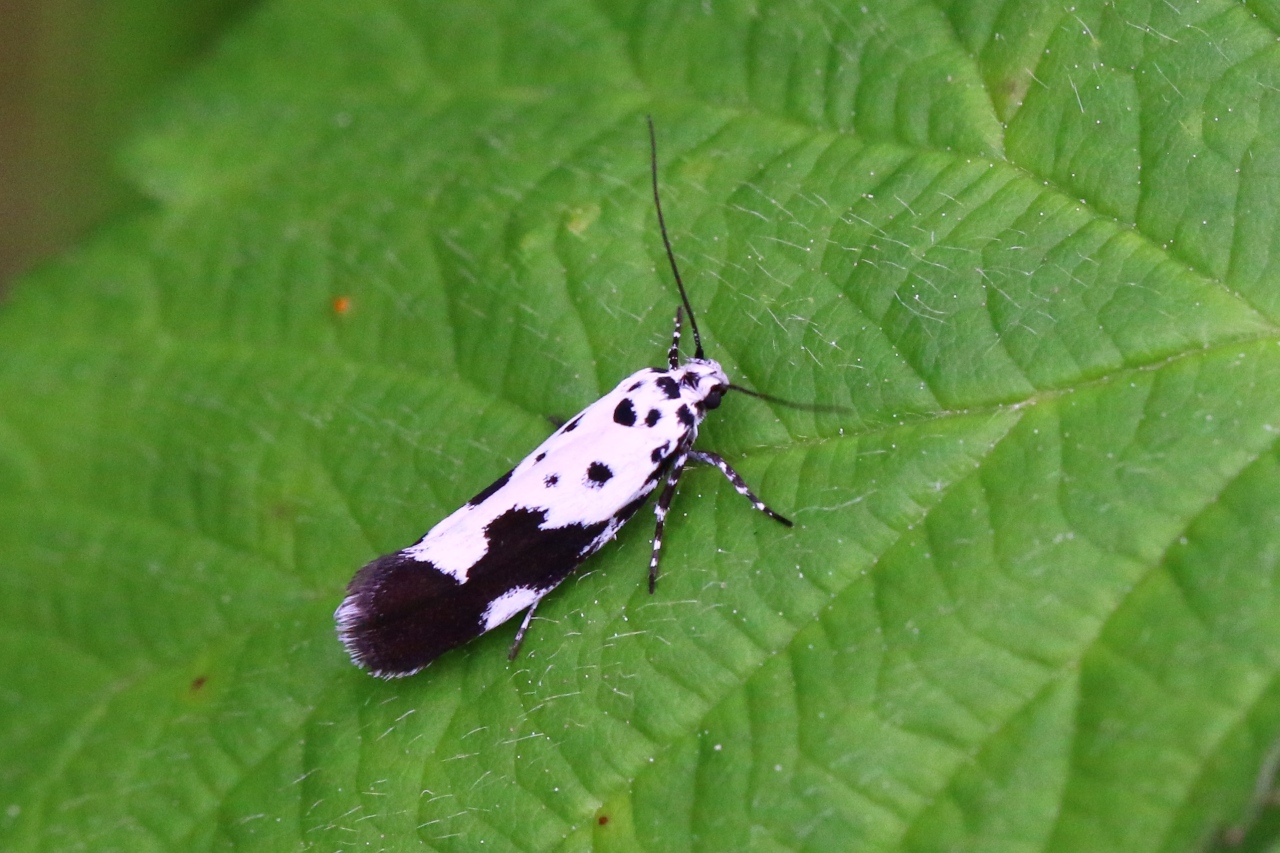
74,75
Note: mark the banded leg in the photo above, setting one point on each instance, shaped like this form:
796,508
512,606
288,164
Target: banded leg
673,354
524,628
660,510
738,483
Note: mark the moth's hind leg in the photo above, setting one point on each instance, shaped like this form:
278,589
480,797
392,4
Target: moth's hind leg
738,483
524,628
660,510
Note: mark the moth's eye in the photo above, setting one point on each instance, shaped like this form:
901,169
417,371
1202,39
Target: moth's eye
713,397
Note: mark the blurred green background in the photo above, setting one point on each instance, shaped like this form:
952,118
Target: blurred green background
73,75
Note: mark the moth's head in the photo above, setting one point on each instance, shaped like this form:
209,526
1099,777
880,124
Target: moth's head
704,381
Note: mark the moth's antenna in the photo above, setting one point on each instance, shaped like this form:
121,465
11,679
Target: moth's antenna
790,404
666,241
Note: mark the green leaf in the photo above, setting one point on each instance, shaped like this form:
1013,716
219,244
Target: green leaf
1031,601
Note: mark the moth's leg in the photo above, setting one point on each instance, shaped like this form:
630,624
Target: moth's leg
737,481
660,510
524,627
673,354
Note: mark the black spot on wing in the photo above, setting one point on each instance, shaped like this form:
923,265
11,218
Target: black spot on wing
636,386
685,416
652,418
521,553
571,425
492,487
669,387
539,457
400,614
625,413
659,453
550,480
598,474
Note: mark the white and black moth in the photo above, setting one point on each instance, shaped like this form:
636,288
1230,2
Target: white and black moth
523,535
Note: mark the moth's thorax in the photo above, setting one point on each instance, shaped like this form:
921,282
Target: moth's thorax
697,385
701,378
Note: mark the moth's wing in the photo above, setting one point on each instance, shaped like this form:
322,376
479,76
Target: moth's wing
401,613
507,547
597,467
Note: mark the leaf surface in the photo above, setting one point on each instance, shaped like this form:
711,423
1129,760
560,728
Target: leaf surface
1030,602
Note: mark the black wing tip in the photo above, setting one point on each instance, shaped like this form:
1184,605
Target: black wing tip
365,654
363,647
363,619
402,612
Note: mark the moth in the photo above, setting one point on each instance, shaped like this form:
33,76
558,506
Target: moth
517,540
